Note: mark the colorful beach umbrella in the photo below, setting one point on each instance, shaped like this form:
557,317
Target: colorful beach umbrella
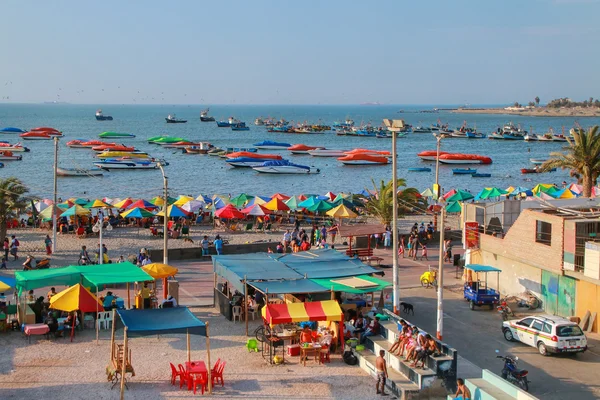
292,203
256,200
320,206
65,205
564,194
174,212
453,207
79,201
137,212
40,206
241,199
97,204
309,202
219,203
76,298
141,203
427,193
448,194
520,191
330,195
276,205
346,203
255,210
229,212
76,210
123,203
341,211
46,215
204,198
342,195
159,270
281,196
544,187
460,195
7,283
159,200
181,200
193,205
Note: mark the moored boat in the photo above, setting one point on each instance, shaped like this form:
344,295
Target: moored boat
535,170
531,137
538,161
172,119
257,156
496,135
239,126
464,171
248,162
270,145
302,148
259,122
101,117
285,167
11,129
228,123
113,147
36,136
94,143
559,138
381,153
48,130
204,117
14,147
476,135
419,169
327,152
363,159
481,175
116,154
513,136
116,135
200,148
422,129
168,140
78,172
458,158
124,163
7,155
430,155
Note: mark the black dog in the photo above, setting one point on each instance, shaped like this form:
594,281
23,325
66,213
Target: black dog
407,308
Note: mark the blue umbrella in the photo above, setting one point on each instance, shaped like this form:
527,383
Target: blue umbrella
309,202
519,189
219,203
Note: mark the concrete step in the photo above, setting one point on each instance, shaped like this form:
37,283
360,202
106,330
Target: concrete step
484,390
396,383
423,378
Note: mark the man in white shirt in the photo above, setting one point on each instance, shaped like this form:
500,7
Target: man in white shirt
171,300
287,238
146,260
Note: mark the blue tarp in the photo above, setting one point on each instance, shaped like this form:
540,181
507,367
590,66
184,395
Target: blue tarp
289,286
161,321
482,268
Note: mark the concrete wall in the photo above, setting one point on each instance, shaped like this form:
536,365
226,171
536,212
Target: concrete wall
588,299
191,253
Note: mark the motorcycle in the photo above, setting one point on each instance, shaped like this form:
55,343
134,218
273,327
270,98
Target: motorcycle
505,310
513,374
44,263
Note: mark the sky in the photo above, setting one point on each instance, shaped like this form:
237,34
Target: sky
299,52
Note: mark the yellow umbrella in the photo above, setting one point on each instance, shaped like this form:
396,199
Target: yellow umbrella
158,270
510,189
47,213
181,200
97,204
123,203
76,298
341,211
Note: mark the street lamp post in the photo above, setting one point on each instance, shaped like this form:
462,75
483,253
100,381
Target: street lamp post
165,227
55,200
440,278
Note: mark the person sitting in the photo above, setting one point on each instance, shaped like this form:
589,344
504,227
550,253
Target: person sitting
372,330
80,231
52,324
360,324
108,301
429,348
402,328
71,321
169,302
305,246
51,293
279,248
412,353
30,296
306,336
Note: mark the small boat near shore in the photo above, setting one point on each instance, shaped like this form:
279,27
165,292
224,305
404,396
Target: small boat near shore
270,145
422,129
535,170
116,154
14,147
240,126
200,148
11,129
419,169
50,131
101,117
78,172
475,135
463,171
327,152
430,155
481,175
254,155
459,158
172,119
40,135
303,149
114,135
227,124
204,117
125,163
248,162
538,161
113,147
7,155
285,167
363,159
531,137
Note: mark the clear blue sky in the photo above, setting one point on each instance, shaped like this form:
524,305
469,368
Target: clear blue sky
299,52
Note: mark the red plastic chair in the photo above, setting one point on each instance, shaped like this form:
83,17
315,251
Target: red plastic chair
184,377
216,366
199,380
324,354
175,374
217,374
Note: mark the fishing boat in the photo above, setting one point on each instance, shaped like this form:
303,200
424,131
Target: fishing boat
113,147
363,159
303,149
270,145
228,123
256,156
248,162
422,129
481,175
78,172
430,155
389,135
114,135
172,119
116,154
531,137
476,135
14,147
7,155
538,161
204,117
419,169
348,123
36,136
285,167
498,135
535,170
546,137
513,136
125,163
464,171
102,117
239,126
11,129
327,152
458,158
200,148
559,138
259,122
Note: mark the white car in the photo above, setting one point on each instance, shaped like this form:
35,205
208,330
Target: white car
548,333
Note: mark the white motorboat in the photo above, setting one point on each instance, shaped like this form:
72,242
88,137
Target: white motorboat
247,162
78,172
14,148
422,129
270,145
538,161
259,121
546,137
285,167
327,152
531,137
126,164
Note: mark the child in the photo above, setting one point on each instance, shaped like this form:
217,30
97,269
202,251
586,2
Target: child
424,251
48,243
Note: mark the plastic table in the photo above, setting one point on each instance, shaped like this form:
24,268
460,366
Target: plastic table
35,329
196,368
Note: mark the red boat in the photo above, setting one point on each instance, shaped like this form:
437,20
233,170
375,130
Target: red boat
430,155
363,159
254,155
50,131
113,147
457,158
38,135
371,152
535,170
302,148
94,143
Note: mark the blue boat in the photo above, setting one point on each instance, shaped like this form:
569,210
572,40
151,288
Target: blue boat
11,129
240,126
1,165
513,136
223,124
464,171
475,135
419,169
481,175
270,145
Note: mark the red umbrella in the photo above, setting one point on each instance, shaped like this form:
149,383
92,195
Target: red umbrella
280,196
256,210
229,212
450,193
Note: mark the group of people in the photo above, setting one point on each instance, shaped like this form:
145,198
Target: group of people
44,314
299,240
413,345
11,247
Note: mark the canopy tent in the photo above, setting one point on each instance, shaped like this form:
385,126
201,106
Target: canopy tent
289,286
328,310
372,284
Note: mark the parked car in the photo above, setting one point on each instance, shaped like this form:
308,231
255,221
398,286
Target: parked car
548,333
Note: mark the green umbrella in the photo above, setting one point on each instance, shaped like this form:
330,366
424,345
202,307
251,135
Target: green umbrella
293,202
453,207
137,213
460,195
309,202
347,203
76,210
319,206
241,199
495,192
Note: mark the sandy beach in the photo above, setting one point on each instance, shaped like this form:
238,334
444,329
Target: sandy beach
535,112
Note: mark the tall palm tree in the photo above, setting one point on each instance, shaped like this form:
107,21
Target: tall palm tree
380,205
582,157
12,201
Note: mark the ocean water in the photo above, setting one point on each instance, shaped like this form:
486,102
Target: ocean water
195,174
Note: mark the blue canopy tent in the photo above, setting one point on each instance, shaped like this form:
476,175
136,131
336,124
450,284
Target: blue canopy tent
160,321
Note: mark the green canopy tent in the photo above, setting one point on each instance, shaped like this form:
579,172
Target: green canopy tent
372,284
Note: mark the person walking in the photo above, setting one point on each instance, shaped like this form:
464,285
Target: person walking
14,247
388,238
382,373
204,244
6,248
218,245
424,251
48,243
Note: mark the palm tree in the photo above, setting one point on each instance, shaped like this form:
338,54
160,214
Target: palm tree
12,201
582,157
380,206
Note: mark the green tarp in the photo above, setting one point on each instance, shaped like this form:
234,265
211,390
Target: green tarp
338,287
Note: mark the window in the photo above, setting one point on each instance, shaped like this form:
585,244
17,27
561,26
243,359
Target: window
543,232
547,328
525,322
568,330
537,325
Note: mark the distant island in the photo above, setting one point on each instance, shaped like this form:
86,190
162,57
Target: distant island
563,107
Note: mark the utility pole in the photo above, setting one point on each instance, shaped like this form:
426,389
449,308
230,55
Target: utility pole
100,228
55,200
165,226
436,186
440,279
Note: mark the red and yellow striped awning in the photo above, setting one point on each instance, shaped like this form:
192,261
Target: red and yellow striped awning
328,310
